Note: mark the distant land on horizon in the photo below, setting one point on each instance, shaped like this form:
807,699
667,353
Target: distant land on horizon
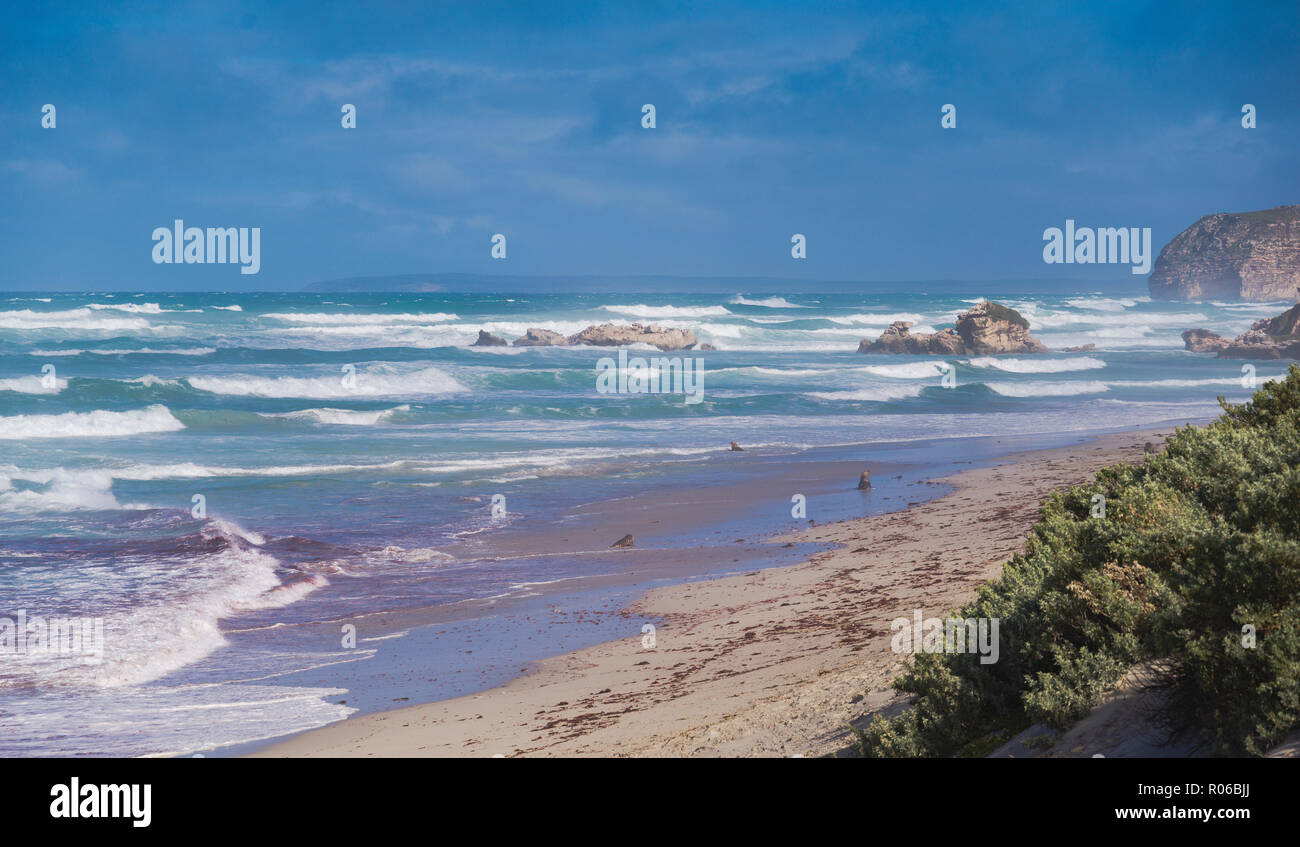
500,283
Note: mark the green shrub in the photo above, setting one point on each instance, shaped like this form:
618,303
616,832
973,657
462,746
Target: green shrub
1196,543
1005,313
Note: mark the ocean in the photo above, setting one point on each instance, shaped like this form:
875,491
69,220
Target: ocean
264,498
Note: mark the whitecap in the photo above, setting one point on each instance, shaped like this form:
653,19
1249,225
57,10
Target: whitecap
100,423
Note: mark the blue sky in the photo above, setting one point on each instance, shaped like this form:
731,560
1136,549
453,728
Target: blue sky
525,119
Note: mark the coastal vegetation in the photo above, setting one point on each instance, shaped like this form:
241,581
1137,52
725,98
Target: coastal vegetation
1189,561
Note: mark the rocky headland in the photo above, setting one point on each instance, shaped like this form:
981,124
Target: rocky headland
1246,256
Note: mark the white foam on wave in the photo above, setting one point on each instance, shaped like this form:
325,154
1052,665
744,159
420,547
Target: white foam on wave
413,556
556,459
759,370
881,394
1113,339
767,302
1039,321
158,720
778,345
97,424
1103,304
150,381
379,381
1038,366
57,490
1047,389
872,319
908,370
642,310
1131,331
1270,306
235,308
378,335
230,528
69,319
905,370
33,385
1135,322
191,470
386,335
415,335
134,308
1190,383
340,417
354,318
179,623
714,330
105,351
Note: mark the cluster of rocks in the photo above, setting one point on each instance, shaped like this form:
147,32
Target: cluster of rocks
986,329
604,335
1232,256
1268,338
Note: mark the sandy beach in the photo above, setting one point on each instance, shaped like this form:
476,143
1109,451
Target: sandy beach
777,662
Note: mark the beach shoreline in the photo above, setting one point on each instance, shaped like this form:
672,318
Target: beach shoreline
772,662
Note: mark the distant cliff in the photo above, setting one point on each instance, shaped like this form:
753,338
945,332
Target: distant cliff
1248,256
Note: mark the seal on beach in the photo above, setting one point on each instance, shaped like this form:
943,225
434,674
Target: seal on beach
625,541
864,481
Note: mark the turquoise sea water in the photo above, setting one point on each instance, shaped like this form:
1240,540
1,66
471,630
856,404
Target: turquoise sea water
346,450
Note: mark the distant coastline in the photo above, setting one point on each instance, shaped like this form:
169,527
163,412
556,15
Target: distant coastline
448,283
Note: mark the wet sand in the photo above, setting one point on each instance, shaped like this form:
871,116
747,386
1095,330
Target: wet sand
775,662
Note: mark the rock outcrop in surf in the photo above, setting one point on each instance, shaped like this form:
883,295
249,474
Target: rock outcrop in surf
1268,338
541,338
613,335
487,339
987,329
